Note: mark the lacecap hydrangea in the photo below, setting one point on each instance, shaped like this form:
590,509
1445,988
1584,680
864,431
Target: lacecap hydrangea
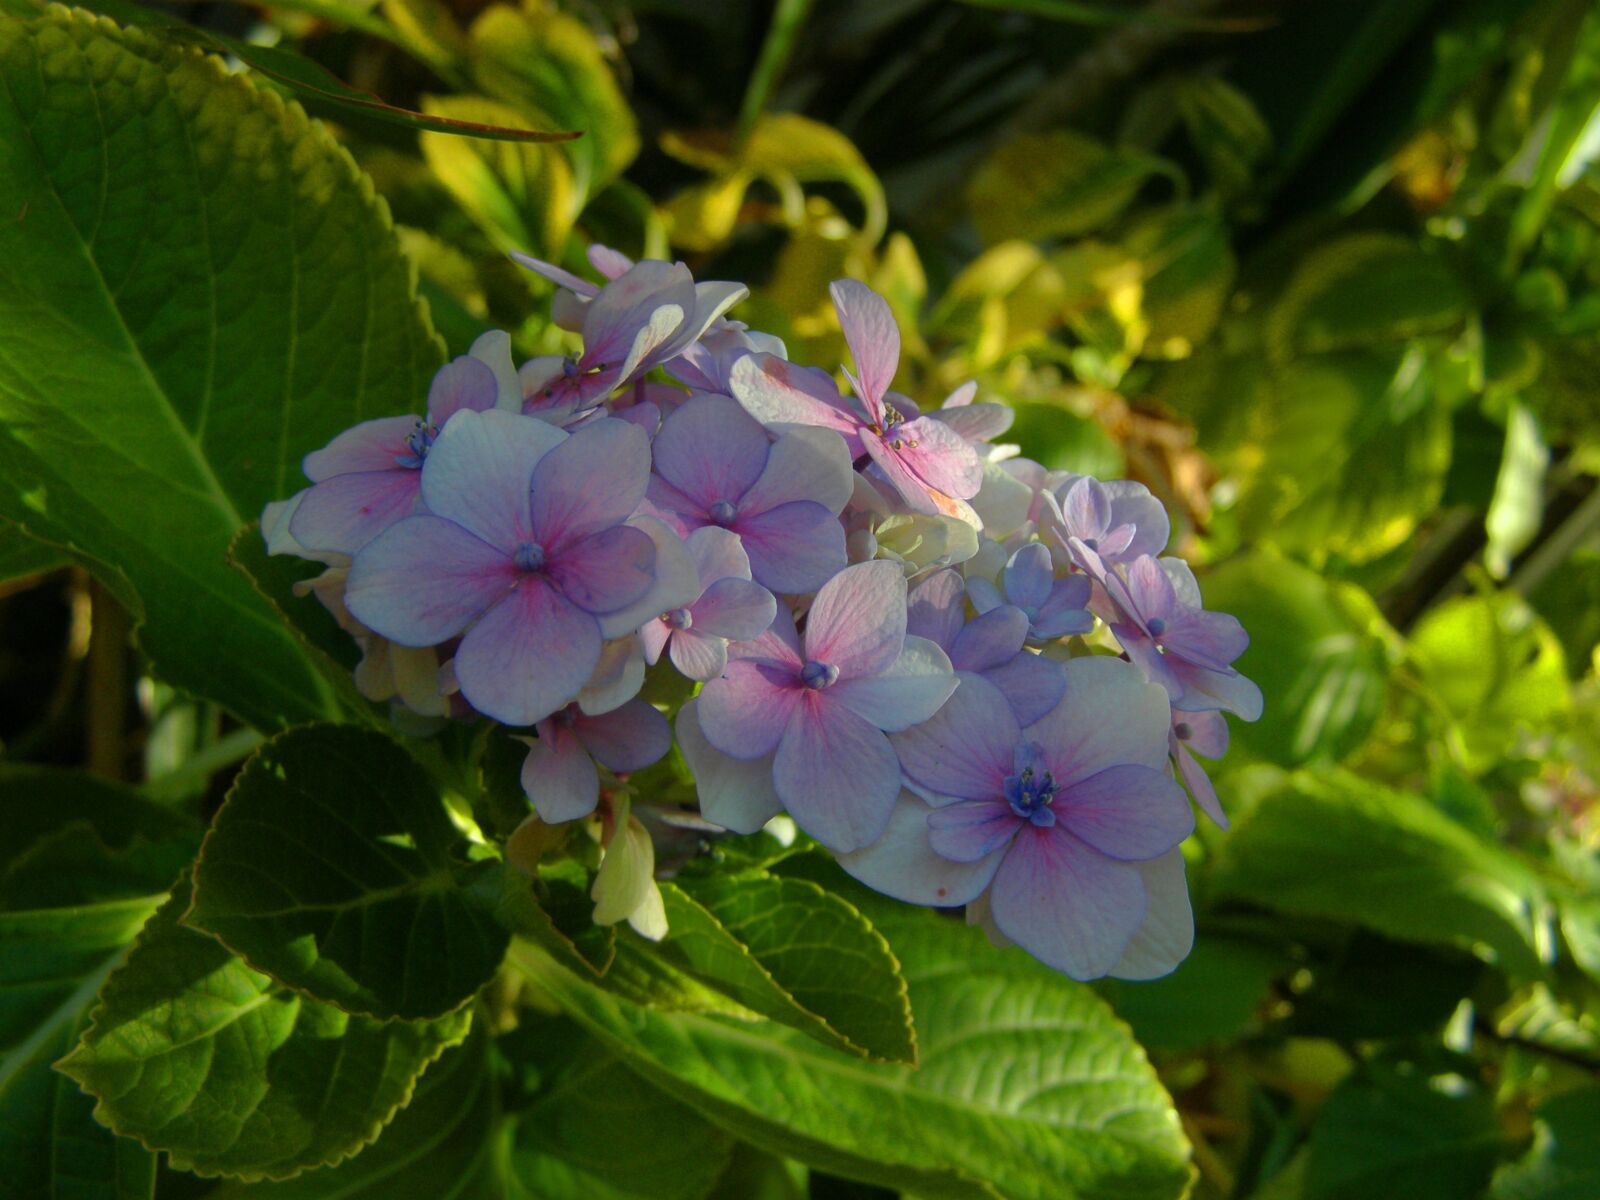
975,681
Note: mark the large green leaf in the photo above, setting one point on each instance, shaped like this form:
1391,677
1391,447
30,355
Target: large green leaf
1383,1133
796,953
330,869
53,963
192,1052
1028,1086
36,802
22,556
1332,844
197,286
1315,651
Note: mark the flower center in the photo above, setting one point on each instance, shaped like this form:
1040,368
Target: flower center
1031,789
679,618
1156,626
418,440
1182,730
529,557
722,513
1092,543
818,675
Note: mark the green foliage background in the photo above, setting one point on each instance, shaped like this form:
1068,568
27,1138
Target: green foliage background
1326,278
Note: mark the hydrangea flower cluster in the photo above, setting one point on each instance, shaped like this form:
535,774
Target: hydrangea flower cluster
976,681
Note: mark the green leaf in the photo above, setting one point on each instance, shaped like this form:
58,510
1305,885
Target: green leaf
1213,995
1518,502
1564,1161
789,950
441,1144
1352,451
329,868
1363,289
196,287
54,962
1058,184
1496,669
23,557
192,1052
1227,131
1383,1133
1027,1086
1317,652
1422,877
548,65
37,802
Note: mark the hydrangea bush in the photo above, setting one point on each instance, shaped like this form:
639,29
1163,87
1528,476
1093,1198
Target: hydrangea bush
1001,728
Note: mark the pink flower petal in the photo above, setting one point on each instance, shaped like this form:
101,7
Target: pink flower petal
477,472
528,656
836,774
938,456
734,793
717,554
778,643
628,738
805,463
593,480
1069,907
675,586
776,392
858,620
903,864
793,548
369,446
465,382
745,712
423,579
737,609
606,571
1166,935
558,775
697,655
869,327
711,450
973,830
965,749
636,313
344,513
1110,717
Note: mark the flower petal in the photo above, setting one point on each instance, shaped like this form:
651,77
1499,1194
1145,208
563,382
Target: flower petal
477,472
858,620
606,571
1031,684
559,776
1199,784
939,456
902,863
528,656
836,774
423,579
965,749
1150,590
972,830
711,450
794,547
717,554
493,349
1069,907
344,513
935,609
991,639
1127,812
776,391
805,463
738,609
699,656
628,738
636,313
1110,716
745,712
906,692
616,678
369,446
1030,576
1166,935
593,480
465,382
735,793
675,586
874,338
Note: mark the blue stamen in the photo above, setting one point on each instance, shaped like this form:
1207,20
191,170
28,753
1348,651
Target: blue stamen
679,618
529,557
1031,789
818,675
722,513
1156,626
418,441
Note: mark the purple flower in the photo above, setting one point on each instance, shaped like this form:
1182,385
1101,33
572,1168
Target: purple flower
368,477
1159,620
731,607
1055,608
991,645
1204,733
930,464
716,465
559,772
1065,825
824,704
735,793
1117,521
525,548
